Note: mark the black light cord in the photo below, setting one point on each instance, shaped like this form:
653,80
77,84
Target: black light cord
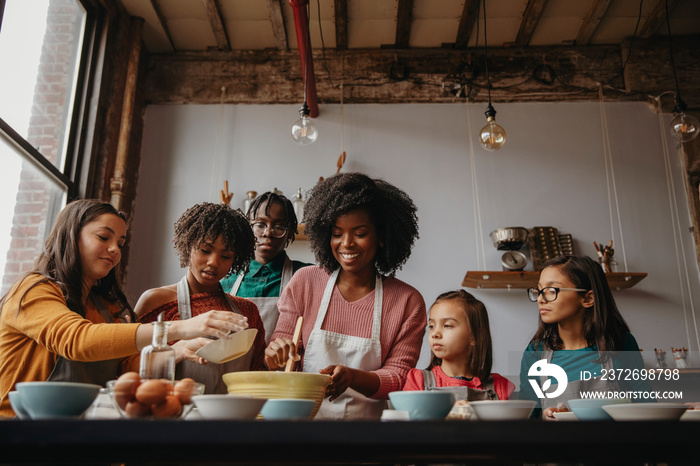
486,61
680,106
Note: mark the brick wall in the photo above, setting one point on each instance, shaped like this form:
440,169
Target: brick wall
38,199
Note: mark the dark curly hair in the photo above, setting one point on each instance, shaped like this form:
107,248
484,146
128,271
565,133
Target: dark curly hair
391,210
205,222
272,197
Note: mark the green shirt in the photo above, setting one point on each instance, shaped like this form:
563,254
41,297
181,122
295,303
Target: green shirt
261,281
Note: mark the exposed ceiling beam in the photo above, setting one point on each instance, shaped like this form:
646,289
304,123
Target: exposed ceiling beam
656,18
592,20
163,23
404,15
470,14
216,21
531,16
341,24
277,20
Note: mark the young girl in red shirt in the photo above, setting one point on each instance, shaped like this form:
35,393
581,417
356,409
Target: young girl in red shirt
460,342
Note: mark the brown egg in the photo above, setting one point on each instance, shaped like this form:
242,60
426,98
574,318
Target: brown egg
153,391
171,407
135,409
125,388
183,390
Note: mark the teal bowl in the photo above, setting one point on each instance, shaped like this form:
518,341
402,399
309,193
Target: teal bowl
423,405
55,400
287,409
591,409
17,406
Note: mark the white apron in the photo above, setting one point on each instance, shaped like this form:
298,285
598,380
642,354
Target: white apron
209,374
325,348
267,306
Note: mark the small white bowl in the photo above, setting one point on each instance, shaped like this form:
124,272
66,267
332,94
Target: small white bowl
565,416
646,411
228,406
502,410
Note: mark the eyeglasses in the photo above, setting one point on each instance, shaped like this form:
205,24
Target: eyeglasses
277,231
549,293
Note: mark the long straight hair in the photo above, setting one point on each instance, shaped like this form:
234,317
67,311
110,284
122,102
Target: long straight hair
603,324
480,358
59,261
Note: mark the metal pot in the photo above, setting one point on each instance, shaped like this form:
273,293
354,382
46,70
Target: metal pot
509,238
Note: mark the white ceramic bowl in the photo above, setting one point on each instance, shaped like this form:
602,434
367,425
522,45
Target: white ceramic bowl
423,405
591,409
287,409
52,400
502,410
565,416
228,406
690,415
646,411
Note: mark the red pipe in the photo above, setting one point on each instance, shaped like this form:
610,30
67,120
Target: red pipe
301,23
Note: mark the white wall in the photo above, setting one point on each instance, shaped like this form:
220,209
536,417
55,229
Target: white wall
551,172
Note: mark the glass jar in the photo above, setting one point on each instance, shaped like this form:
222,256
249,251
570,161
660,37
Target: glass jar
298,203
249,198
158,359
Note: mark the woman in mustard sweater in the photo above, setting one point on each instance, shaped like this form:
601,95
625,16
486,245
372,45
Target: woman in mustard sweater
55,321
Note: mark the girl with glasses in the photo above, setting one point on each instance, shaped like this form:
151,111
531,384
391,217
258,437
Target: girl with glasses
274,225
362,326
460,344
213,241
62,320
581,331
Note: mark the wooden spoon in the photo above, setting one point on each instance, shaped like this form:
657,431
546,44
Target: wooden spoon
295,339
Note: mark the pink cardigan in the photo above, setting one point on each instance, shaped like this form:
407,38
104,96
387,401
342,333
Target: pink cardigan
403,321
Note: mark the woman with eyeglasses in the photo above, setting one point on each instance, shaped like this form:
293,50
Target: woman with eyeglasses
67,319
362,326
274,225
212,241
582,332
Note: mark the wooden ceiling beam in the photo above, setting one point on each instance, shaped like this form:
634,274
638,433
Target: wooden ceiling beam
278,26
341,24
155,4
404,15
470,15
272,77
592,21
531,16
656,18
216,21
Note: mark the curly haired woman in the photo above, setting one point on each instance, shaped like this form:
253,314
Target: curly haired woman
213,241
362,326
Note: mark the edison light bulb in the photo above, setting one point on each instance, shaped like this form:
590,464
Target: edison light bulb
304,131
492,136
685,127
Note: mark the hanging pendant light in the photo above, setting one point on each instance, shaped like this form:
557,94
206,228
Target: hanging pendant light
304,130
684,127
492,136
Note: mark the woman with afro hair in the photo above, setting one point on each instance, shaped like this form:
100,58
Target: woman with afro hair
362,326
213,241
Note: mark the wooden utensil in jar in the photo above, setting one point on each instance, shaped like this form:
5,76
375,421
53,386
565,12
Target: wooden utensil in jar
295,339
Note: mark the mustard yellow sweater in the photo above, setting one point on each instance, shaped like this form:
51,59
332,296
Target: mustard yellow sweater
31,339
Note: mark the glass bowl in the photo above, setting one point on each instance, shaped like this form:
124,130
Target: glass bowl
135,398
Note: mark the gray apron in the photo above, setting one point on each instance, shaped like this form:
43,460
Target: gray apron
462,393
267,305
94,372
208,374
574,387
325,348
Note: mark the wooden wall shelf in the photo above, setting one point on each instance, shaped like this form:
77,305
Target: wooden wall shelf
301,235
528,279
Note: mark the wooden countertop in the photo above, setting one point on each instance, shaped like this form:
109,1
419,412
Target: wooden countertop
319,442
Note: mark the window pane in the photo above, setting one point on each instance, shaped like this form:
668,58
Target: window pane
40,45
30,202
